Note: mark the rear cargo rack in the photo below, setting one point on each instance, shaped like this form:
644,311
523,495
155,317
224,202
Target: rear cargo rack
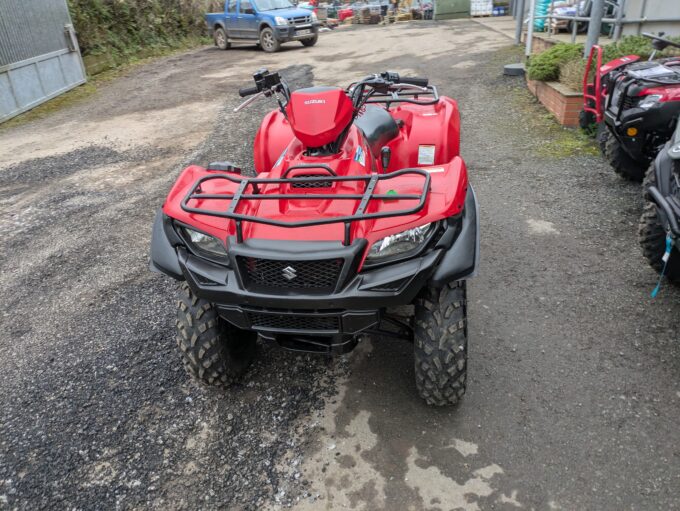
431,96
244,182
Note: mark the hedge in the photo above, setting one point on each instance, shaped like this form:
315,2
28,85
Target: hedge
122,28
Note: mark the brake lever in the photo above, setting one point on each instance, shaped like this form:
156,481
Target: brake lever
248,101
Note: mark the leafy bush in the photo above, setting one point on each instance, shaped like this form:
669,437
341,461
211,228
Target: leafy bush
121,28
565,62
546,66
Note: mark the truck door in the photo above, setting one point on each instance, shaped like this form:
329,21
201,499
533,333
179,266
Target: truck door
247,20
231,18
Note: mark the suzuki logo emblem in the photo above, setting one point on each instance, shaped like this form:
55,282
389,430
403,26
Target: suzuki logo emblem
289,273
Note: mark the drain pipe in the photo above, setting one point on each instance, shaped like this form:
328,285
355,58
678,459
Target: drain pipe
618,26
530,28
595,26
519,21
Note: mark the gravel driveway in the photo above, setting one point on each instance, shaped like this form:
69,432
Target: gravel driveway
574,390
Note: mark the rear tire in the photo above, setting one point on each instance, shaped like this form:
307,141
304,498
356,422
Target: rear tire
268,41
621,162
440,344
310,42
221,39
214,352
652,239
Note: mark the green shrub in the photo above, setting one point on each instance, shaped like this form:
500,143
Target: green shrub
546,66
123,28
565,62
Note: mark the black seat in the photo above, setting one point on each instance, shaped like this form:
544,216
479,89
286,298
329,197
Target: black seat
378,127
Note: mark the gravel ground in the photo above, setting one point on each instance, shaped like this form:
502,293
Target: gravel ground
573,398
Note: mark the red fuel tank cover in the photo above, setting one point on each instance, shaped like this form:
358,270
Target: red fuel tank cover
318,115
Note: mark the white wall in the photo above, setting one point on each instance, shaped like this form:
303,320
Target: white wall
652,9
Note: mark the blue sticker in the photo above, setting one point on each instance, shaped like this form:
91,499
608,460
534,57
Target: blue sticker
360,156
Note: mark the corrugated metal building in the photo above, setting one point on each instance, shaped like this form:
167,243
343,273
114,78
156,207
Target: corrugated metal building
652,9
39,54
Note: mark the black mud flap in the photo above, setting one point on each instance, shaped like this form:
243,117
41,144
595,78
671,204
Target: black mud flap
461,261
163,254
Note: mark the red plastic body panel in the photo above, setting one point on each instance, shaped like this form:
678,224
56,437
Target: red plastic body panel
318,115
435,125
272,138
668,93
277,150
617,63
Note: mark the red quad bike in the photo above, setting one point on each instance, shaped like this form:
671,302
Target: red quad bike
659,232
636,104
361,205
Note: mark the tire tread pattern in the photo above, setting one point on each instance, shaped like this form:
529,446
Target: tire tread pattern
202,342
440,344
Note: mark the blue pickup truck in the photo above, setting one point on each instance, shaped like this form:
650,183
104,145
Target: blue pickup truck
266,22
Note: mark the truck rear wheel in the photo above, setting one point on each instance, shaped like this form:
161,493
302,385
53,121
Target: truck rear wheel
268,40
621,162
221,39
440,344
214,352
311,41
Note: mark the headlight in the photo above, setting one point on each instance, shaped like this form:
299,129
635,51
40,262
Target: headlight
400,243
314,18
649,101
204,242
282,22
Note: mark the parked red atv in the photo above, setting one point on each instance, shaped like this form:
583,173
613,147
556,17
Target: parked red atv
636,104
659,231
361,204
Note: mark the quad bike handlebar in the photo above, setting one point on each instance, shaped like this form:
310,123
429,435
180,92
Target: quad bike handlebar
387,85
248,91
660,43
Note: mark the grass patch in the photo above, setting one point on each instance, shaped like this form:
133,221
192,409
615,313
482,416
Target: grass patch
546,137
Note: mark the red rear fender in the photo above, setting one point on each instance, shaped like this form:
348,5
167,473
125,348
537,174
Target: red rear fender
430,135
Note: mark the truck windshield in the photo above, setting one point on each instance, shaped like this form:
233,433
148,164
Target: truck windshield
272,5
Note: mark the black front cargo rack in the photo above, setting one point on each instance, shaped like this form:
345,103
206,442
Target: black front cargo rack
242,193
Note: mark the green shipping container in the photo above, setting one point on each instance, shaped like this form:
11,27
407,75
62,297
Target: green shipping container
448,9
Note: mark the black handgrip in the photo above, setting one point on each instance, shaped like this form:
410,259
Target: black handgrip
414,80
248,91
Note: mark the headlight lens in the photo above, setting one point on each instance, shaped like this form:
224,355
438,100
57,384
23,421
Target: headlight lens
649,101
204,242
281,21
400,243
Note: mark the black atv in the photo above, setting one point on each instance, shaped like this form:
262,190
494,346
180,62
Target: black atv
640,111
659,232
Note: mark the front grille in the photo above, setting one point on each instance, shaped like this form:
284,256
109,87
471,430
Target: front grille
301,20
321,183
319,275
293,322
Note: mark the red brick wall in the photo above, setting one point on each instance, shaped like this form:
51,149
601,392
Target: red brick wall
564,106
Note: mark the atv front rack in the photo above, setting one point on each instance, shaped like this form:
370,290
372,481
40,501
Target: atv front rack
249,189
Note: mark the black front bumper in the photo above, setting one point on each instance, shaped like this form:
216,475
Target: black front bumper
354,303
291,33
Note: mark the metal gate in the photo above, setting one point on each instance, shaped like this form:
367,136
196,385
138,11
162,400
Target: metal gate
39,54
